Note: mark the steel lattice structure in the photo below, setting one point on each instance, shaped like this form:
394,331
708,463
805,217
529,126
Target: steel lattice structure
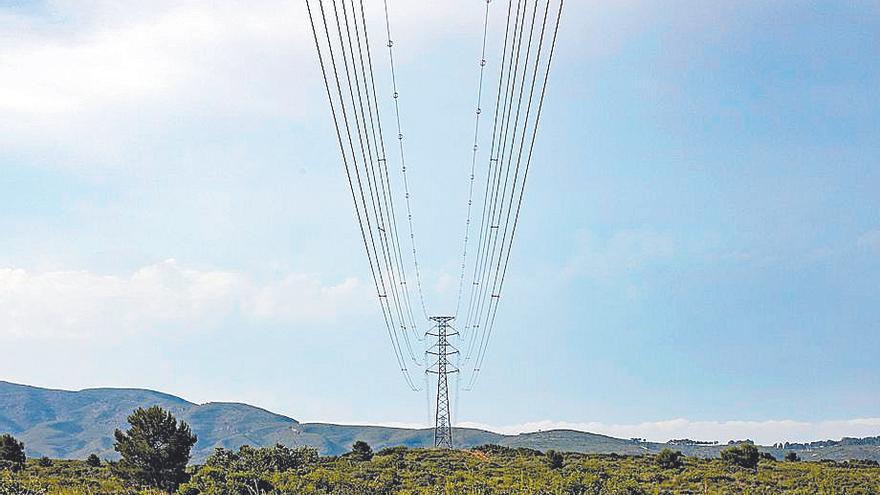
442,349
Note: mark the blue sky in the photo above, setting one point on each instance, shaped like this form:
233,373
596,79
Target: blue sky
699,252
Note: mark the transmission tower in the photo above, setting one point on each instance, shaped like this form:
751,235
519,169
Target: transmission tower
442,368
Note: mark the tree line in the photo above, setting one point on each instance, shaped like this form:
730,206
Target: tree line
156,448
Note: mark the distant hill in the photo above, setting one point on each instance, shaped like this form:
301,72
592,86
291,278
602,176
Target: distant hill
59,423
65,424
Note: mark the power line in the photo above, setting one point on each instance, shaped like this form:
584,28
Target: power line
475,285
499,136
493,293
344,54
383,162
470,200
390,252
363,122
512,139
368,160
499,205
367,156
368,170
409,215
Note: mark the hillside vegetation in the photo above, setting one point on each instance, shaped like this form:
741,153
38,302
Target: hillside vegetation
73,425
487,470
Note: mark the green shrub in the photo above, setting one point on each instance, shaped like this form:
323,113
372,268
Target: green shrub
361,451
93,461
554,459
669,459
278,458
491,448
743,455
280,470
399,450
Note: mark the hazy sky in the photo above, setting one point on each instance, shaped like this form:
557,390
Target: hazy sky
699,252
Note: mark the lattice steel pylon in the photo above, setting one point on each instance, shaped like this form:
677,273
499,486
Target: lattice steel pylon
442,368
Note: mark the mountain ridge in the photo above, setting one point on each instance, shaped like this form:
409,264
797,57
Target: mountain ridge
73,424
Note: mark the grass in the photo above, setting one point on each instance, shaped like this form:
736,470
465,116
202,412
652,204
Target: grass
500,470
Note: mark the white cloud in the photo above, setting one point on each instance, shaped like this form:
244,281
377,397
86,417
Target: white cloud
96,72
763,432
104,83
124,56
81,304
273,300
218,55
622,252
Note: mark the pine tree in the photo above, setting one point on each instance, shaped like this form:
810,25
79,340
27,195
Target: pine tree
11,452
156,449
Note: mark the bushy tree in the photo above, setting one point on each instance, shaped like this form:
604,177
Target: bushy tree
669,459
361,451
743,455
93,460
156,449
494,449
398,450
791,456
11,453
44,462
250,470
555,459
278,458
